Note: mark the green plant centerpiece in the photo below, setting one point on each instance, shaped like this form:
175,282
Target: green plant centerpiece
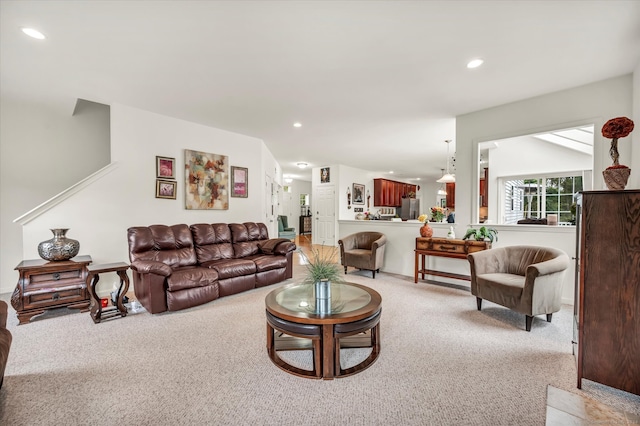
322,265
482,234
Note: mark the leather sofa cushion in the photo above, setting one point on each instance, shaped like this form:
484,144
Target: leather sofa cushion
171,245
269,262
191,277
229,268
212,242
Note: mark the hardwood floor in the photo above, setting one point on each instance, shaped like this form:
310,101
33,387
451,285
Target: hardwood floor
303,242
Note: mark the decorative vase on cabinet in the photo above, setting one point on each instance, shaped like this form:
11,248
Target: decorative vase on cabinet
59,247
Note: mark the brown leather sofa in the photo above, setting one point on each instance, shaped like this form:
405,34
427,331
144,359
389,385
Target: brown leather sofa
5,339
178,267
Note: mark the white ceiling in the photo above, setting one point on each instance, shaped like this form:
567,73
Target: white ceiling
375,84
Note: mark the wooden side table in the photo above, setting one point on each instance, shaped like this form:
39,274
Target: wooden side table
444,247
45,285
97,312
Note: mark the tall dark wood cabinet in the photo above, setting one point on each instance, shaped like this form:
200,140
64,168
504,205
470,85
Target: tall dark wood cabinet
608,295
305,225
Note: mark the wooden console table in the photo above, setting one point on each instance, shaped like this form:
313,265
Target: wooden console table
444,247
45,285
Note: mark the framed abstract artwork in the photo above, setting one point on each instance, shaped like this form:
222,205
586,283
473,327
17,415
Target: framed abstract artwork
239,182
206,181
165,167
166,189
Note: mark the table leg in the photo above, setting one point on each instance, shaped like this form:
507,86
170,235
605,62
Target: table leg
96,306
124,278
424,266
415,268
328,352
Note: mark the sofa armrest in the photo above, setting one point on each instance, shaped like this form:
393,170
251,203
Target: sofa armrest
551,266
378,243
151,267
276,246
284,247
4,313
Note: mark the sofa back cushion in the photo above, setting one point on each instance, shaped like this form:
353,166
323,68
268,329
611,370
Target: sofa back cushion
171,245
246,236
212,242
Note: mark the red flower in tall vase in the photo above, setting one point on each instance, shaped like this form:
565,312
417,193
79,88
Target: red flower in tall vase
616,175
614,129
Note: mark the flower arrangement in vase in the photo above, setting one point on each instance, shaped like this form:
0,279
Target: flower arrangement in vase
616,175
425,230
437,213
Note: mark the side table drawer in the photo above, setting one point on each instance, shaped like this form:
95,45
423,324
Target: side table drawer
39,299
55,276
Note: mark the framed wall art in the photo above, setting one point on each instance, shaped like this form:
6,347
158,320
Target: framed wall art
358,193
165,167
166,189
239,182
325,177
206,181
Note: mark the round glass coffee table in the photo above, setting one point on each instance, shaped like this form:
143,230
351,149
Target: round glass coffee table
353,317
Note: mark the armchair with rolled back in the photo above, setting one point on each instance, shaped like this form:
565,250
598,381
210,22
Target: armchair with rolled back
363,250
526,279
284,231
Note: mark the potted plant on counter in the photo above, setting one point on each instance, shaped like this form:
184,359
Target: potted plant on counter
482,234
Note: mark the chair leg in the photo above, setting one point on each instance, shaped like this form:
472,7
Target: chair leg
528,322
374,274
345,269
479,303
549,317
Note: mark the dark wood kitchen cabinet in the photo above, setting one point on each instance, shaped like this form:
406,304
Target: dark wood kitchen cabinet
607,305
389,193
451,195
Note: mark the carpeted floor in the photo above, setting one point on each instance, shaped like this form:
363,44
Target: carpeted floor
442,363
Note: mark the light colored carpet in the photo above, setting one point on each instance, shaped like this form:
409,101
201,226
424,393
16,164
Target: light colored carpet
442,363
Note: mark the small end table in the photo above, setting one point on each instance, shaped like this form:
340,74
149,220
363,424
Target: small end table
97,313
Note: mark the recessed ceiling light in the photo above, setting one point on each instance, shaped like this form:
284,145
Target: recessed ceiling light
302,165
390,171
33,33
297,124
475,63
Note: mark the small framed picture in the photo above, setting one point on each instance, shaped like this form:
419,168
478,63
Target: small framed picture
165,167
166,189
239,182
358,193
324,175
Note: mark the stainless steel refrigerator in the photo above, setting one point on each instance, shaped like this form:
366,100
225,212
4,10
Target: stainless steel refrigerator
410,208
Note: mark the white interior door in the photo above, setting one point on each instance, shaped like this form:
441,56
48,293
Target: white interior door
324,225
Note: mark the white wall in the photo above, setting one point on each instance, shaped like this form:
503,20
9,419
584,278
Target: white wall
590,104
100,214
43,150
541,158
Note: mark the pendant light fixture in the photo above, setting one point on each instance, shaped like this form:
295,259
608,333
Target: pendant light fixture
442,191
448,177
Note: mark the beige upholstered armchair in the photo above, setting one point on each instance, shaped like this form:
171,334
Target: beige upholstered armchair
526,279
363,250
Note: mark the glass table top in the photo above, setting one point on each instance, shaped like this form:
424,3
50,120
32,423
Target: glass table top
301,298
